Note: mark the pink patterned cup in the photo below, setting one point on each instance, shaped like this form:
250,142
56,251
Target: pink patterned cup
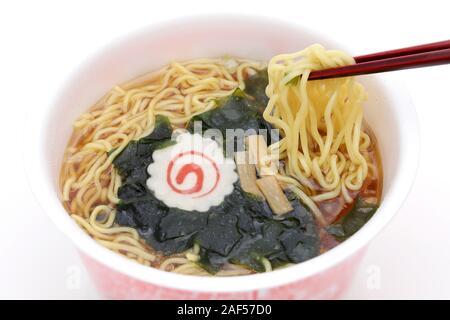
389,112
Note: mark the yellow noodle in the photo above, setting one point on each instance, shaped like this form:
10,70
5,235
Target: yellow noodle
317,119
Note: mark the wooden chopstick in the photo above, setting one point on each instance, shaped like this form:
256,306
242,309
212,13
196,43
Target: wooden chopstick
422,56
404,51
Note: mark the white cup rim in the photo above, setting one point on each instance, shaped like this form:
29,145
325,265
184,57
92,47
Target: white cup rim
39,181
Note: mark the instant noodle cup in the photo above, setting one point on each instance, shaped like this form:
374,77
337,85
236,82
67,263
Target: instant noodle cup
388,111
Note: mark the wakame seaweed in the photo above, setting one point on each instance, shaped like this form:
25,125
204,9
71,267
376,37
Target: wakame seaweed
241,230
239,111
255,86
349,224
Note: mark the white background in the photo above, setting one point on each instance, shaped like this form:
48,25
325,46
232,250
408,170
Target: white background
41,41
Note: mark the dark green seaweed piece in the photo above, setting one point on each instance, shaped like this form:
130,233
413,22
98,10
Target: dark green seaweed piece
137,154
255,86
262,245
139,213
239,113
178,223
127,160
132,191
221,233
252,252
352,221
169,246
233,112
162,130
211,261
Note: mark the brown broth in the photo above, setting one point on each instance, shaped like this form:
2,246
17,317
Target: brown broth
371,192
332,209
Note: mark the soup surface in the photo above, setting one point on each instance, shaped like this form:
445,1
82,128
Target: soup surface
225,166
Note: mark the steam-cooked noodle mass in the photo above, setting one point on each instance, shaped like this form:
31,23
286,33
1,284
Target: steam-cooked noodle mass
227,204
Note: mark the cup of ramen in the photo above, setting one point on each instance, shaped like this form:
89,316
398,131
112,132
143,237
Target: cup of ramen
100,168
